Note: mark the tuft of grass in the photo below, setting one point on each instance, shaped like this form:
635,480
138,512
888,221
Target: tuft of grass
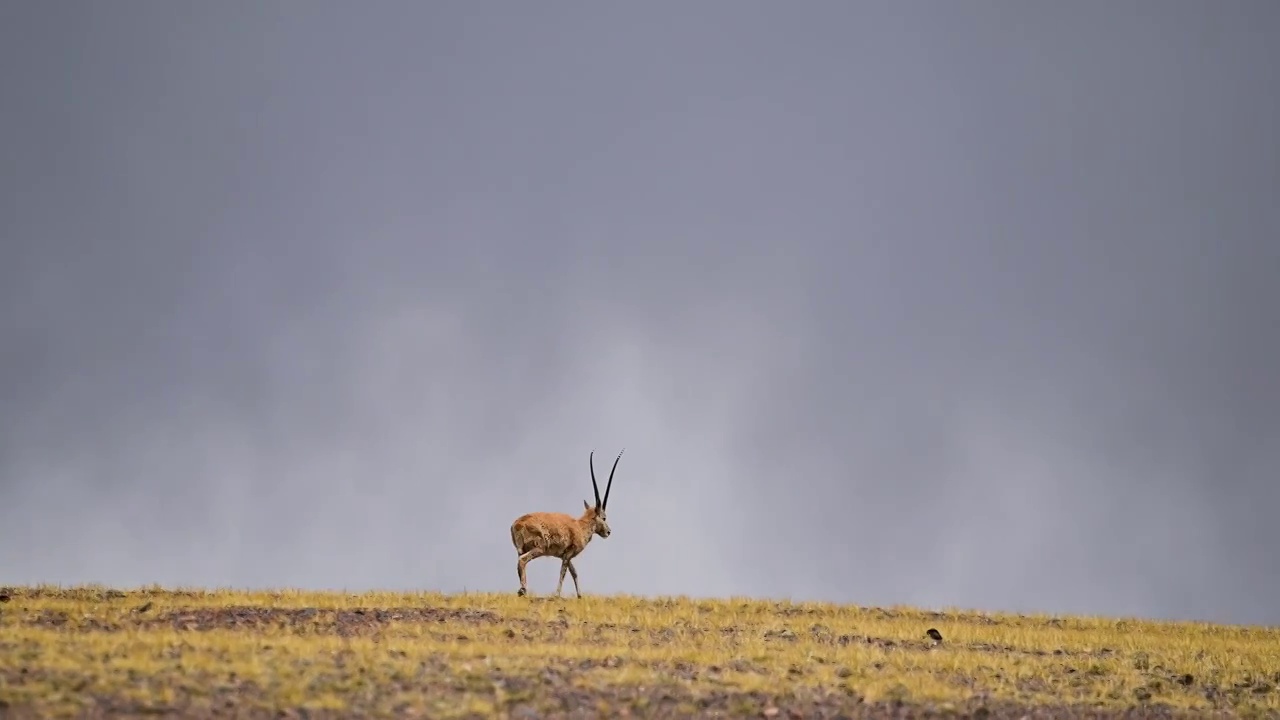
93,651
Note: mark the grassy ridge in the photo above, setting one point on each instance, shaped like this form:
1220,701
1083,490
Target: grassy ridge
96,652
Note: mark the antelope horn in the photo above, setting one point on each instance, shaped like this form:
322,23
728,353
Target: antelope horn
595,488
609,484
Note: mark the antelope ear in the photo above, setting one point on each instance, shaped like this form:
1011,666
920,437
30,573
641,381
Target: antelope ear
586,505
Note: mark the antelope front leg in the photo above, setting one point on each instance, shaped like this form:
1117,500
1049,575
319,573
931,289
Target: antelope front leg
564,565
574,572
520,566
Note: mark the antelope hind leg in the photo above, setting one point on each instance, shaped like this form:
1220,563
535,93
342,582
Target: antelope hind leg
520,569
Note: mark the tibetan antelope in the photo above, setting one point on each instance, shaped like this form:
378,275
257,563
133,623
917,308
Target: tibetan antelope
561,535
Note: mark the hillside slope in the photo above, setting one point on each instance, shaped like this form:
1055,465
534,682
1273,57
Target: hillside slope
97,652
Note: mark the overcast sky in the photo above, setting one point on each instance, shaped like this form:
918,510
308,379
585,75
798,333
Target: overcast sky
954,304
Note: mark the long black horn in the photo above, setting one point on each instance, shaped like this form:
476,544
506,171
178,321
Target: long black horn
609,484
595,488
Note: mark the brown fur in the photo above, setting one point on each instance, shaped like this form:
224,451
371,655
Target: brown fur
559,535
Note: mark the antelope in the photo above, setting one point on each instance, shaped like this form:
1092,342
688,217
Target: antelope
561,535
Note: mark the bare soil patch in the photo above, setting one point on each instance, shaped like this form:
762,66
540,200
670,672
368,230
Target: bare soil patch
341,622
345,622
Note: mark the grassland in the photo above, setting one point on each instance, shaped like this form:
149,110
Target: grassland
97,652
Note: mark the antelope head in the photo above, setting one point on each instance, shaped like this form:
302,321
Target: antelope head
600,524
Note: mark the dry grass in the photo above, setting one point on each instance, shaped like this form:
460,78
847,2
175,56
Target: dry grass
96,652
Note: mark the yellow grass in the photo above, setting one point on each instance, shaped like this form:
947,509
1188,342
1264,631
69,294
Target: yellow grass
84,651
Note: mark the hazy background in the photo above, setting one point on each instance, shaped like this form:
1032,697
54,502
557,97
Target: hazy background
957,304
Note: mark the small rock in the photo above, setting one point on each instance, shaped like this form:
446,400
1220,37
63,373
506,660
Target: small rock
1186,679
771,711
934,635
144,607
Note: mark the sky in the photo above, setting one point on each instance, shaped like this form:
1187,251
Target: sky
946,304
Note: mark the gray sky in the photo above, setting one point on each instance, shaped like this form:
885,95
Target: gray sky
955,304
